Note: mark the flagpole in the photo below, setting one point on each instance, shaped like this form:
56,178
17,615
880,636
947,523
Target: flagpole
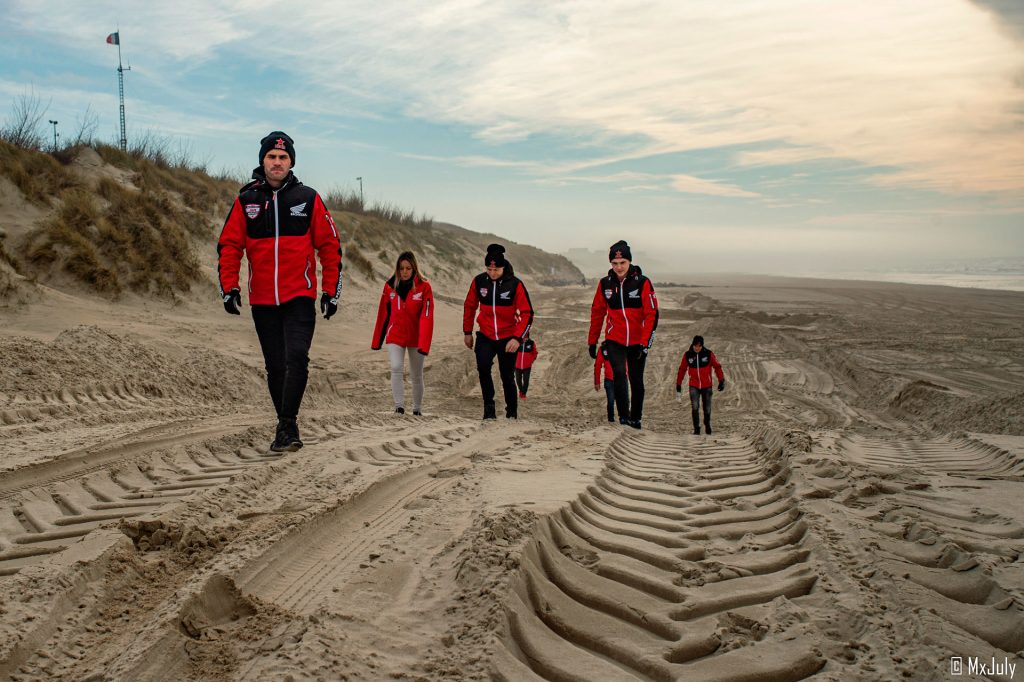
120,90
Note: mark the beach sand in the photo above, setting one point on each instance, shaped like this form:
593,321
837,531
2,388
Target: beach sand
856,514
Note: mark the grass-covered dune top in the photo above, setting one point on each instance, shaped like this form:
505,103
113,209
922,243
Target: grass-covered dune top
141,221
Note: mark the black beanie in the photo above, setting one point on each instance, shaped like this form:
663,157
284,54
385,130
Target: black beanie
697,339
619,249
495,256
277,140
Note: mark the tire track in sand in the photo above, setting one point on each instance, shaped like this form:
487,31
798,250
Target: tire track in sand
45,519
660,569
954,559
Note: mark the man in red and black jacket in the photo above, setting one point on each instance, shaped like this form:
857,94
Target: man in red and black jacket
626,304
505,317
698,362
278,223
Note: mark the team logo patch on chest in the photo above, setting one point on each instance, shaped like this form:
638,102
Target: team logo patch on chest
252,210
505,295
635,293
417,297
608,293
299,210
483,291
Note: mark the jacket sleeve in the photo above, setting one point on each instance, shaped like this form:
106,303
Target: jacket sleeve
230,248
718,367
598,309
681,374
650,307
525,309
327,243
469,308
383,315
426,331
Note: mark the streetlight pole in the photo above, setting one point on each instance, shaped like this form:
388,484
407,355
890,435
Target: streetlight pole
55,135
362,205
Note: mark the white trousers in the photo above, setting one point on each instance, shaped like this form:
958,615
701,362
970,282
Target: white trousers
396,354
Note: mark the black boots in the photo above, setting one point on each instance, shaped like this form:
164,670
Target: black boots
287,437
489,412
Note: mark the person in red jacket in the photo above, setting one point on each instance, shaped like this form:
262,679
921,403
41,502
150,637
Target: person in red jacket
627,307
279,224
505,317
603,363
698,363
405,323
525,357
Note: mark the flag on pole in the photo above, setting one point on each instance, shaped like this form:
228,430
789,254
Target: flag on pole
114,38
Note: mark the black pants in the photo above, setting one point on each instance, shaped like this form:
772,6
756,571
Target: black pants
486,350
523,379
628,369
609,391
286,332
696,396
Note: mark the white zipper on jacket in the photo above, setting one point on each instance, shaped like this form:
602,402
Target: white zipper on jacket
277,236
305,274
494,307
622,300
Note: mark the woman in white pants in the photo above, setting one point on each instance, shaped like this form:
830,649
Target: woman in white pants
405,324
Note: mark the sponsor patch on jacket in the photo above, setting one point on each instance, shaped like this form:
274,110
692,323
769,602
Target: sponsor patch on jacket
393,294
635,293
252,210
608,293
505,295
483,291
298,211
418,297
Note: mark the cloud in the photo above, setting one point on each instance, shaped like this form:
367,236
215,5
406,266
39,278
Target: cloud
692,185
924,89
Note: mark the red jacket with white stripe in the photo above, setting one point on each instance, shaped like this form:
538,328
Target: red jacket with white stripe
279,231
629,307
405,320
699,366
526,354
504,305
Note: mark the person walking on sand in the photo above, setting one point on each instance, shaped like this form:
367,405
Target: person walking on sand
626,304
698,362
278,223
525,357
505,317
603,363
405,324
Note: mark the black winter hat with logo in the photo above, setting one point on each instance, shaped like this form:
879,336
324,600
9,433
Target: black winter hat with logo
619,249
277,140
495,256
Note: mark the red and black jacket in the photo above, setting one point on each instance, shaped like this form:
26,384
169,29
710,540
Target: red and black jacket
505,308
699,366
526,354
630,308
279,231
405,315
603,362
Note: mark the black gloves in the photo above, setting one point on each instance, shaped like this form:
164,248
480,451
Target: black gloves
328,305
679,388
232,300
638,351
721,385
593,351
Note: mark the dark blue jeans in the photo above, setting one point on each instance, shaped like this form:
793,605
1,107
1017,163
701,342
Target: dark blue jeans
696,396
609,391
286,332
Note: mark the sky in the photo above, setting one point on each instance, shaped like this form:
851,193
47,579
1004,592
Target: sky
786,136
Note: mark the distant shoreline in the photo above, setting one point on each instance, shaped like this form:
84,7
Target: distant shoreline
989,282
